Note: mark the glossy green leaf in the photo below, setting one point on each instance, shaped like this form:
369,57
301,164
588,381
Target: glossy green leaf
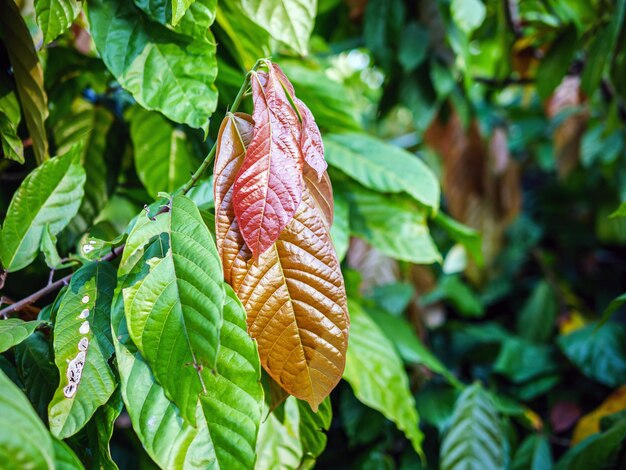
175,311
376,374
391,223
382,167
10,117
340,230
24,441
600,353
288,21
409,347
64,457
466,236
136,49
533,454
93,127
13,331
50,195
179,8
556,62
163,154
49,248
56,16
28,75
536,320
313,428
475,439
35,366
521,361
83,346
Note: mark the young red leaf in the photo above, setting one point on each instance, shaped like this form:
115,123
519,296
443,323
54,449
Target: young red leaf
311,140
268,187
294,293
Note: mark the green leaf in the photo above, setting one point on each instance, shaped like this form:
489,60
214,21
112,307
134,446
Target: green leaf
377,376
174,311
475,439
288,21
414,46
64,457
533,454
620,211
49,248
36,369
468,14
312,428
328,100
56,16
13,331
93,127
136,49
597,451
556,62
391,223
615,304
382,167
28,75
24,441
83,346
466,236
398,331
521,361
49,195
163,155
340,230
598,353
179,8
10,117
459,294
537,317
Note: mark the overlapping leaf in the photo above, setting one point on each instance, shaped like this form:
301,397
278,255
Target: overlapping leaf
82,346
10,117
136,49
29,444
50,195
13,331
28,75
294,292
163,154
175,310
475,439
377,377
268,187
55,16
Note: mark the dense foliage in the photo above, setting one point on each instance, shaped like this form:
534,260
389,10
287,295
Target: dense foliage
182,286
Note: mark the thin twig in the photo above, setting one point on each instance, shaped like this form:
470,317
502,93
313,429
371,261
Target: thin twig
503,82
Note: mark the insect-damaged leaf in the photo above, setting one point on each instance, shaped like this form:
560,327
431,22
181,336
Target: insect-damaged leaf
268,187
294,293
174,310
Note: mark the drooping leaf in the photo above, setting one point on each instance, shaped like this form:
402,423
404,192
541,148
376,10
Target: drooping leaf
294,292
94,127
537,317
135,49
533,454
475,439
404,236
83,346
591,423
311,140
268,188
376,374
100,430
28,75
598,353
174,312
556,62
463,234
13,331
49,248
382,167
24,441
56,16
37,371
49,195
64,457
313,428
288,21
10,117
163,154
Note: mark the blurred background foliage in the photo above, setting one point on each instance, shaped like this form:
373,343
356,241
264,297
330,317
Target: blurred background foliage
515,352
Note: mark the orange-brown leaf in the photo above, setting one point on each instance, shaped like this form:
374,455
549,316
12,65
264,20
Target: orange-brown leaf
294,293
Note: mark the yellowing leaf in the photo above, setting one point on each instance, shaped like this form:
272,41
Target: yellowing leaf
590,423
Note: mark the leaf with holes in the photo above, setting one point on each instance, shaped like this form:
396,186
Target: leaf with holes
28,75
268,187
55,16
294,293
51,194
376,374
136,49
164,158
13,331
175,310
82,347
475,438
